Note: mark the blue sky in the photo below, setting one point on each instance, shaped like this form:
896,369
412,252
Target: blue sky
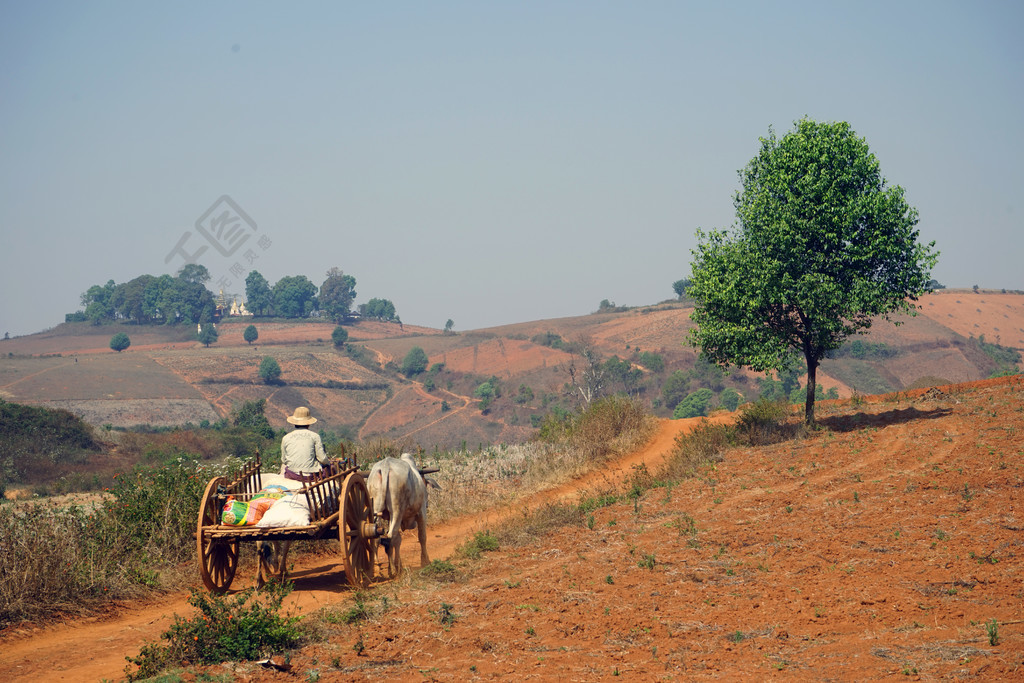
488,163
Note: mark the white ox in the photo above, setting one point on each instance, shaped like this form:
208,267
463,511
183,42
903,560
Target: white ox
399,494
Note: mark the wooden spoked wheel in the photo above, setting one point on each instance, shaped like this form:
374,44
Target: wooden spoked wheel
356,549
218,558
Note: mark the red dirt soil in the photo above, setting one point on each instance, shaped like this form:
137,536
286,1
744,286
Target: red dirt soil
877,547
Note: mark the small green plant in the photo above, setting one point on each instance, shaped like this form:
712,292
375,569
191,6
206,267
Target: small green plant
647,562
992,631
236,628
445,615
481,542
967,493
440,570
736,637
359,647
530,631
609,580
358,612
590,522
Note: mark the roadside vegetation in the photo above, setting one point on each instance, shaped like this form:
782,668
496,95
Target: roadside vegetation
137,536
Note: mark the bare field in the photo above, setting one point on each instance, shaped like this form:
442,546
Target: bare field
885,546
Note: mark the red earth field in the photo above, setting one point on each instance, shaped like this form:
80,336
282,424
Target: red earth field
880,546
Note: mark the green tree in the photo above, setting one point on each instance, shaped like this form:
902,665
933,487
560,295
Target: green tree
120,341
675,388
680,286
336,294
194,273
487,392
251,334
270,370
250,415
730,399
448,326
618,370
822,245
339,336
294,296
99,302
129,299
652,361
208,334
695,404
258,297
379,309
414,362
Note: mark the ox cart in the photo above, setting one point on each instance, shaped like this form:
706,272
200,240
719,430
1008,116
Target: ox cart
339,507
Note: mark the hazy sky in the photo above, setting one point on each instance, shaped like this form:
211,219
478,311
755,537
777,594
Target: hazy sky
485,162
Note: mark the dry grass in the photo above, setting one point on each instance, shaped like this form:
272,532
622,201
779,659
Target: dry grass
504,473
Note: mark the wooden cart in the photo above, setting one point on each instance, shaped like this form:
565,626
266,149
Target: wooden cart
339,506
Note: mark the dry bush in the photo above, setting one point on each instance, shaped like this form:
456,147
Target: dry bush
501,474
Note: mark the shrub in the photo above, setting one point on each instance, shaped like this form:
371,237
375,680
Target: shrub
701,446
595,432
482,541
760,422
652,361
236,628
674,389
208,334
730,399
251,416
120,341
414,362
270,370
68,559
250,334
694,405
339,336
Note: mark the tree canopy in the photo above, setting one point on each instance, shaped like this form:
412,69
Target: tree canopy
258,297
822,244
336,294
250,334
379,309
414,362
294,296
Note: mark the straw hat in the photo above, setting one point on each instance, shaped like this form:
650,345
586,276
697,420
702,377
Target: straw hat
301,417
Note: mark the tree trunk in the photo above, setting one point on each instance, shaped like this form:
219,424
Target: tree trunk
812,385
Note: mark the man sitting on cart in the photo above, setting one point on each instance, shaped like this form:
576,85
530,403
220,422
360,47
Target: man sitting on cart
303,457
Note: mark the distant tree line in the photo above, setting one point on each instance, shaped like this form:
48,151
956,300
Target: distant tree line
184,298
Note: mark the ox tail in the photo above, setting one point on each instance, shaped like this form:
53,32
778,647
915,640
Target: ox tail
382,487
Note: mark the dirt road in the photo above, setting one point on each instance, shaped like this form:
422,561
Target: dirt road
94,649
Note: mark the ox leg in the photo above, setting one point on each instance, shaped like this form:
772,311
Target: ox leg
272,557
421,532
395,549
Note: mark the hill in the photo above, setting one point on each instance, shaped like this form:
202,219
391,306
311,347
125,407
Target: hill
168,378
886,544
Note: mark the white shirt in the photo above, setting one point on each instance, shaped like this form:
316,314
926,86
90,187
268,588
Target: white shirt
302,451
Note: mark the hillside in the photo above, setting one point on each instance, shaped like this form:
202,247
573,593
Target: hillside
167,378
888,544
